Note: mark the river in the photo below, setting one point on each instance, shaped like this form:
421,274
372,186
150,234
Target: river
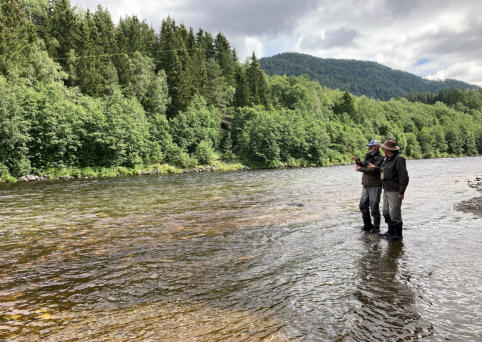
273,255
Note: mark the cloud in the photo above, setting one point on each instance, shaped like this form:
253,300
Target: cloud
341,37
391,32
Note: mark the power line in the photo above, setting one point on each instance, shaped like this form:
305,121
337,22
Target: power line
131,53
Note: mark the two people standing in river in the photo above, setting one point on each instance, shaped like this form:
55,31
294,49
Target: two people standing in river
392,172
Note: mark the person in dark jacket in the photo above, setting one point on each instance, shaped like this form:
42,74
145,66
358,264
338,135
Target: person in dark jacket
394,178
372,187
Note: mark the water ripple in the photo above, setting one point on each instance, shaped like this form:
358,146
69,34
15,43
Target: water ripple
265,255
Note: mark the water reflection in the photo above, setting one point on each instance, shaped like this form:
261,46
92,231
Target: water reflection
388,309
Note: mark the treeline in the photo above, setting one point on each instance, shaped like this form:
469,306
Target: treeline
462,100
359,77
77,90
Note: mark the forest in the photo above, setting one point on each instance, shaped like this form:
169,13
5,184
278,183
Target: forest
358,77
79,92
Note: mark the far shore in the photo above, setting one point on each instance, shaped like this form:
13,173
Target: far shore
72,173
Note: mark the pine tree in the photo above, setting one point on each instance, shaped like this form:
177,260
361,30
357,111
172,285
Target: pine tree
241,96
61,29
347,105
16,37
224,57
175,61
256,83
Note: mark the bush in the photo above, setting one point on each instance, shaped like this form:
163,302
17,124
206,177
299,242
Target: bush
204,153
21,167
198,123
176,156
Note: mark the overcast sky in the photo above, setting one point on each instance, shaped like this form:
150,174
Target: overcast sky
435,39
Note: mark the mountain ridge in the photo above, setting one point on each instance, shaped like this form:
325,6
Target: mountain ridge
358,77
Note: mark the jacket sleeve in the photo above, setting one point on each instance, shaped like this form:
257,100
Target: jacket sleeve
363,163
377,162
402,175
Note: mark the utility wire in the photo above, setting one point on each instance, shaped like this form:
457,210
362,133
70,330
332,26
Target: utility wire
131,53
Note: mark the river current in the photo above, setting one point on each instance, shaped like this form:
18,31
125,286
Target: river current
267,255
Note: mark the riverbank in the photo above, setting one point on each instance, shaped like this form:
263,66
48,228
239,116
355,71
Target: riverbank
473,205
104,172
69,173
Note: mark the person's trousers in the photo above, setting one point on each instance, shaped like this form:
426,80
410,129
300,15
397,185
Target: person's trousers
370,201
392,206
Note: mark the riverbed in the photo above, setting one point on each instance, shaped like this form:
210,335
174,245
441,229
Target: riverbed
273,255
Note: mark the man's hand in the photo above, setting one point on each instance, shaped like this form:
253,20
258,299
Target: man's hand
400,197
357,167
371,166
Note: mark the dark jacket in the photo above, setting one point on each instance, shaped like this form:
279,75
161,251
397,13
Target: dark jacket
394,174
371,177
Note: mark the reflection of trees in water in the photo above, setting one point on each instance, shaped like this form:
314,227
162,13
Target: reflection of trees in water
387,309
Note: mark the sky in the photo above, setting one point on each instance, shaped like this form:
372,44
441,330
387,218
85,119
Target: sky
434,39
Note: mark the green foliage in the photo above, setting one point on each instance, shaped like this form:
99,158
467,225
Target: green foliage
178,157
273,137
126,133
204,153
16,37
14,126
198,123
84,97
256,83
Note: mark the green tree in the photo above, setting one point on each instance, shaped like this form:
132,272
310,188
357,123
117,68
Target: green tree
256,82
224,57
174,60
198,123
14,127
17,35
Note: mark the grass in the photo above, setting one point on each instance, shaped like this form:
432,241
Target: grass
117,171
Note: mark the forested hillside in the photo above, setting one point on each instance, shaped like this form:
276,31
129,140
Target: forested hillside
359,77
79,92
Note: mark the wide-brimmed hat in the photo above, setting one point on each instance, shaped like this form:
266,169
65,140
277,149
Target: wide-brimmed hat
390,144
373,143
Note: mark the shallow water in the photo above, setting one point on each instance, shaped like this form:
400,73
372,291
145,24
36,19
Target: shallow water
248,256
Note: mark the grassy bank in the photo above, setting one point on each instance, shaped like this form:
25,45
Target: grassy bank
117,171
218,165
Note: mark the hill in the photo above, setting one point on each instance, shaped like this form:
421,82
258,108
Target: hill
359,77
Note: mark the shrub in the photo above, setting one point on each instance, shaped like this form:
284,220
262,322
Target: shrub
204,153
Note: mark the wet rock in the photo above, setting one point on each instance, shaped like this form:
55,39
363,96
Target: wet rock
28,178
476,184
473,205
200,170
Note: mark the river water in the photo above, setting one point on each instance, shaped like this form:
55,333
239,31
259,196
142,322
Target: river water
274,255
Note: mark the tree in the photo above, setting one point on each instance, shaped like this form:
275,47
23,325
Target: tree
241,95
256,83
16,37
61,30
174,59
224,57
346,105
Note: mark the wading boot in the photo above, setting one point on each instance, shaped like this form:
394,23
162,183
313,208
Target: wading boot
389,232
376,226
397,232
367,223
